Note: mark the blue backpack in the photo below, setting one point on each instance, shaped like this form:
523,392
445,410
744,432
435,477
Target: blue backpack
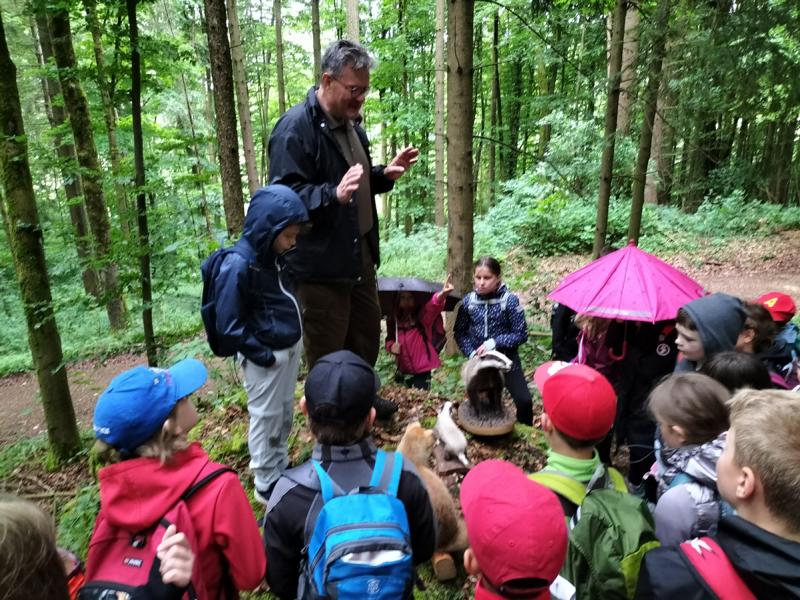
208,306
360,546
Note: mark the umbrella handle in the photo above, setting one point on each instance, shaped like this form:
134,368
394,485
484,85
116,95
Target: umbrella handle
622,354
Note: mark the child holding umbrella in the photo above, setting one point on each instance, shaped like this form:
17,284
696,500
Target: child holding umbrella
410,336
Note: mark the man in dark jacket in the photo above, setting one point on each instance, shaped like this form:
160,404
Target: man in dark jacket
339,396
319,149
759,549
258,315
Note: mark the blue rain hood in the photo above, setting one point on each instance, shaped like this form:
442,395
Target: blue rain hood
272,209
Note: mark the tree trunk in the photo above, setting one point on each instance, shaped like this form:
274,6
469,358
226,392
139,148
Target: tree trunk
27,246
276,10
110,117
80,121
352,20
65,150
513,120
221,73
315,40
650,102
459,143
242,98
612,104
630,50
495,116
139,180
439,106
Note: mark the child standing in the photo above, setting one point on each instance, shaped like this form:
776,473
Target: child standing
783,354
692,416
491,318
755,554
706,326
258,318
141,422
409,337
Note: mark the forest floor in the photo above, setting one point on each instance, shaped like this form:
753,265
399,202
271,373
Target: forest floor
746,268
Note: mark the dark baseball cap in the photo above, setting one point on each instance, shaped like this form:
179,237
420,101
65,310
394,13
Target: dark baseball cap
345,384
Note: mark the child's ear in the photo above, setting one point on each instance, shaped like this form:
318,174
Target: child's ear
170,426
680,432
471,563
303,406
746,484
547,424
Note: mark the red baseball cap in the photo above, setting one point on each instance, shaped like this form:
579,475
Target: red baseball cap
780,306
515,526
579,400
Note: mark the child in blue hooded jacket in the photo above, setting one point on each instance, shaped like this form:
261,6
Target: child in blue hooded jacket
258,315
491,318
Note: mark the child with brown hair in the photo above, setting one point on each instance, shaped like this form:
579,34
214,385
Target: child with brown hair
692,417
141,422
755,554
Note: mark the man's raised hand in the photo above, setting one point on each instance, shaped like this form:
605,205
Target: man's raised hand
401,163
349,184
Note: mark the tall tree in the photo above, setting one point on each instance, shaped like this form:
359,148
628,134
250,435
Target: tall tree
610,135
225,110
65,150
279,56
109,115
29,261
317,47
627,83
438,107
81,123
650,103
139,180
460,195
353,32
242,98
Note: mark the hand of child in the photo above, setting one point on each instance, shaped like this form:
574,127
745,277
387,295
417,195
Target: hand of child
480,350
177,559
447,287
395,348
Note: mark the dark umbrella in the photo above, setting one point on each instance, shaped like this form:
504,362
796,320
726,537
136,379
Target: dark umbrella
422,288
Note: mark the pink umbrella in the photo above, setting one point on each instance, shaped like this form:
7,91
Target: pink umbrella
628,284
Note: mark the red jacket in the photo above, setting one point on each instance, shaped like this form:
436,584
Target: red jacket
417,354
136,493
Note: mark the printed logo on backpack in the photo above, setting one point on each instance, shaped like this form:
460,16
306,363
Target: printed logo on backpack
360,546
123,566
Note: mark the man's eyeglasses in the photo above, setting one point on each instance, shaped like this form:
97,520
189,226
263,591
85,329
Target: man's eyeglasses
356,91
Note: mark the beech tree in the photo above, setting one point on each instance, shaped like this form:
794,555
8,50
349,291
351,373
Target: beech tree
29,262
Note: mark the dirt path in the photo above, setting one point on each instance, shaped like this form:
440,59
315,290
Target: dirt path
743,269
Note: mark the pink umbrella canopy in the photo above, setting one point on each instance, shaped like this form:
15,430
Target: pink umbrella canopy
630,285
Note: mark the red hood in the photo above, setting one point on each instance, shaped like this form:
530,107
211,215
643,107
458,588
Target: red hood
136,493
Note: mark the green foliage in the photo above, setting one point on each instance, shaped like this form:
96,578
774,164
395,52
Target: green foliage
26,450
76,520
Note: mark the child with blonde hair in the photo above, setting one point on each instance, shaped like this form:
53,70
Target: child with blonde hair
755,554
141,422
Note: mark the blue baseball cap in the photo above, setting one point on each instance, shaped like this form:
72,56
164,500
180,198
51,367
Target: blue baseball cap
137,402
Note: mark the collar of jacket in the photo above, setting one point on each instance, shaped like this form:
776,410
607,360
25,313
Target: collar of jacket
358,451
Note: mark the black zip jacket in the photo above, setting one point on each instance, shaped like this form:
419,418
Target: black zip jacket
304,155
769,565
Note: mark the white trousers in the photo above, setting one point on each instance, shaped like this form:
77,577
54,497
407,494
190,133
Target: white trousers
270,402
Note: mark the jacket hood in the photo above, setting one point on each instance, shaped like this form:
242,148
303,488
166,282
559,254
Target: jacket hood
136,493
698,461
719,319
271,210
768,564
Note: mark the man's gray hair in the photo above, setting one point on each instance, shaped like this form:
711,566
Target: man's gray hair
344,53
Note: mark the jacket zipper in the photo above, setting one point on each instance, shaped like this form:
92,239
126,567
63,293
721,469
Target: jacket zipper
290,296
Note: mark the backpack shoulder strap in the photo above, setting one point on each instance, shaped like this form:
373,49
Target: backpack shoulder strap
328,487
205,481
387,472
562,484
617,480
714,567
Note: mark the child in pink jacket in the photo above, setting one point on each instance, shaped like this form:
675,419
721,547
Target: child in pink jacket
410,337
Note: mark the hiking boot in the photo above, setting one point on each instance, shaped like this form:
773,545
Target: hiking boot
262,496
384,408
